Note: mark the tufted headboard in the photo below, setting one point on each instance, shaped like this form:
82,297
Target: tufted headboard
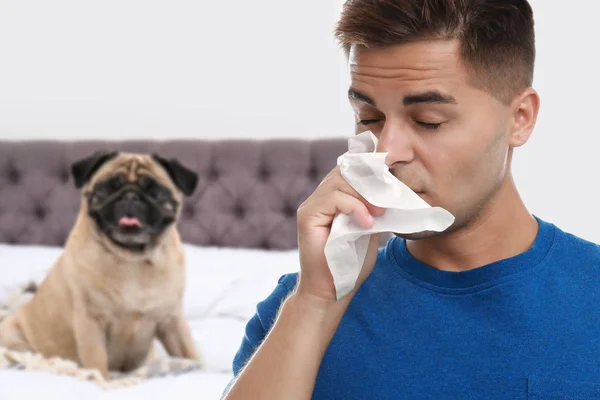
247,194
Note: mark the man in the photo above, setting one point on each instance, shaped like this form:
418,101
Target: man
502,305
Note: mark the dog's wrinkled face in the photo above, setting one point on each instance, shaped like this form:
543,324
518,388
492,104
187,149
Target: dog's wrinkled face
132,213
133,198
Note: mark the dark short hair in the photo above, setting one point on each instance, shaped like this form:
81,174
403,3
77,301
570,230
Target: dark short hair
496,36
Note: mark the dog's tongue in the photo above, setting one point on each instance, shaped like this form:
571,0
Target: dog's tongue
130,221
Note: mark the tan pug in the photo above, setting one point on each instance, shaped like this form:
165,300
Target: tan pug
120,281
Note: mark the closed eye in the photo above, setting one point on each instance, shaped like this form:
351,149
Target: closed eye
426,125
429,126
366,122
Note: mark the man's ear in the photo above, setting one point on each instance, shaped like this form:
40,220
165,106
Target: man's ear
184,178
525,111
82,170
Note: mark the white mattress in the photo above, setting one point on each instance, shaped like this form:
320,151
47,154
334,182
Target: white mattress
223,287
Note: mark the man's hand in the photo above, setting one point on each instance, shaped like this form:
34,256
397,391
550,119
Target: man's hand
286,363
315,216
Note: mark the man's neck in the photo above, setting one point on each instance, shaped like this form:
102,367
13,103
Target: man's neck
503,229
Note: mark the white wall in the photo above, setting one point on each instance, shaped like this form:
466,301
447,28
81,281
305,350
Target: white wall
557,170
170,68
74,69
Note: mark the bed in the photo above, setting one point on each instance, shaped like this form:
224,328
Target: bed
239,233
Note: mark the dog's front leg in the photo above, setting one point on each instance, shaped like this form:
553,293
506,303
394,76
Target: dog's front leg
174,334
91,343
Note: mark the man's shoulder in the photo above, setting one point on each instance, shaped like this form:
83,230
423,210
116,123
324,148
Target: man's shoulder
285,285
288,281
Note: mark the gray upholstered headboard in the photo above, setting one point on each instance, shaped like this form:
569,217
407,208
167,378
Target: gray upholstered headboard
247,194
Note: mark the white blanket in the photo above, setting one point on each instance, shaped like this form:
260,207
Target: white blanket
223,287
38,385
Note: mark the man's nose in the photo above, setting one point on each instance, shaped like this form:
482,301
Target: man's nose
397,141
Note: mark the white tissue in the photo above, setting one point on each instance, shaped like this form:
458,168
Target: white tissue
366,171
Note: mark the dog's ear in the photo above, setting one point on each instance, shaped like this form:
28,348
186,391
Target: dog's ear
82,170
184,178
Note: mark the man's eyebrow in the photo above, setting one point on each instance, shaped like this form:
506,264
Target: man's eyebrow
433,96
355,95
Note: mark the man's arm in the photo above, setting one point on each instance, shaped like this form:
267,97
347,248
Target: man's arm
285,365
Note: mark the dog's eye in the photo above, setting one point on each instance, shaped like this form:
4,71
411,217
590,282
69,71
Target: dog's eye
145,183
116,182
161,195
150,188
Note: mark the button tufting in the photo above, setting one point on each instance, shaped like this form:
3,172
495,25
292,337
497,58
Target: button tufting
289,211
265,245
40,213
313,173
64,176
263,174
189,211
239,210
213,175
13,176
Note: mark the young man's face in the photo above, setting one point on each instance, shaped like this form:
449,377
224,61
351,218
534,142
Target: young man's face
447,140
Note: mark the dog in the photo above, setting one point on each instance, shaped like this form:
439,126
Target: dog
118,286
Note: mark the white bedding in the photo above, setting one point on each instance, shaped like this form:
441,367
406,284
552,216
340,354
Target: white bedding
223,287
39,385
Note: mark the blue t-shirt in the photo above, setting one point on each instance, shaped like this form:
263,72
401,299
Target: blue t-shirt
527,327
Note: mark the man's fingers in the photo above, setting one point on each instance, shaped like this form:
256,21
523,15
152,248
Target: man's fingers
351,205
339,183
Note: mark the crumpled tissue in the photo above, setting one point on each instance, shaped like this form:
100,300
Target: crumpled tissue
366,171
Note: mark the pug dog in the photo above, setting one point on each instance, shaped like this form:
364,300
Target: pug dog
119,283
